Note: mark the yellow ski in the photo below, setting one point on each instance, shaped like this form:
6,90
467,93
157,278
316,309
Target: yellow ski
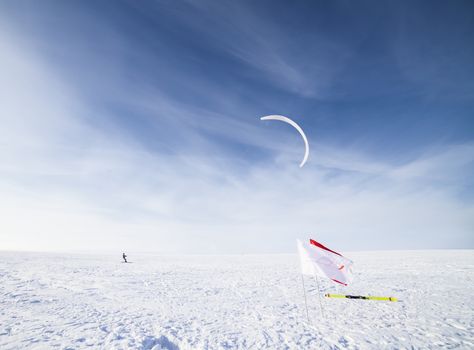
360,297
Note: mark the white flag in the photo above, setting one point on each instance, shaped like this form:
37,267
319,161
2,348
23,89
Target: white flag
322,261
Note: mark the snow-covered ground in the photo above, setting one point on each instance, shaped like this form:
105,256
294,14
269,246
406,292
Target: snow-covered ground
226,302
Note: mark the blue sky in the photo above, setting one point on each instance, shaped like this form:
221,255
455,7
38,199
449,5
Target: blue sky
135,125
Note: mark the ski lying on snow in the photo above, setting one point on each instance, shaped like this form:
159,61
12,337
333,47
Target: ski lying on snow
363,297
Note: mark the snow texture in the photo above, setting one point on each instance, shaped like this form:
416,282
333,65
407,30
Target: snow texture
58,301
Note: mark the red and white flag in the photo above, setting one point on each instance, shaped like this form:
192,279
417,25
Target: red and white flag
322,261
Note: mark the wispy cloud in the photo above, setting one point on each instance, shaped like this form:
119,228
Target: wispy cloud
429,55
270,49
158,173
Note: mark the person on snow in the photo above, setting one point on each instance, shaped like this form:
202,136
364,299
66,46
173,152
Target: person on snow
124,257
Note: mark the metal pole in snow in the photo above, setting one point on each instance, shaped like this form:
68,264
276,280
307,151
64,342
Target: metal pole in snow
305,301
319,296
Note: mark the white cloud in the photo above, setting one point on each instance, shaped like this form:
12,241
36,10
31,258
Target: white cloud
66,185
268,47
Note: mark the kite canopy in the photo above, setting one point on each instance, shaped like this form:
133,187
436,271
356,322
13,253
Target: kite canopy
297,127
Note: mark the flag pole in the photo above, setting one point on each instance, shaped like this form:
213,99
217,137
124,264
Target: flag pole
319,296
305,301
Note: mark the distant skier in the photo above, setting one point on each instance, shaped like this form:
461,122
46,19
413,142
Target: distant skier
124,257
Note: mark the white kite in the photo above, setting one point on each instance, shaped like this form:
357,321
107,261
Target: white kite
297,127
319,260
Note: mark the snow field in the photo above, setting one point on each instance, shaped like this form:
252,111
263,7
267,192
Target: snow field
60,301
